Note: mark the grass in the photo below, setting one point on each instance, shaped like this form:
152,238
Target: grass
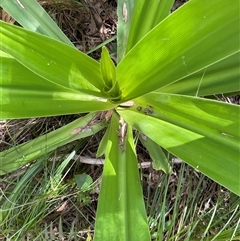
43,198
50,200
192,207
43,202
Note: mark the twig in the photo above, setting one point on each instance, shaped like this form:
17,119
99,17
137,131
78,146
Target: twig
95,161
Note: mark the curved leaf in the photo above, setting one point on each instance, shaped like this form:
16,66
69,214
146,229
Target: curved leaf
32,16
203,133
51,59
25,94
187,41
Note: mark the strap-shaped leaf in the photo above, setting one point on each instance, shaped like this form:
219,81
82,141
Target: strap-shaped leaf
24,94
33,17
121,213
203,133
136,19
197,35
124,11
146,15
19,156
51,59
222,77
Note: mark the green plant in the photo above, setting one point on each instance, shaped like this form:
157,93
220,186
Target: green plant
166,65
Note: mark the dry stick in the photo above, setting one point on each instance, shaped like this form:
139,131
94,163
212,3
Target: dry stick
90,161
95,161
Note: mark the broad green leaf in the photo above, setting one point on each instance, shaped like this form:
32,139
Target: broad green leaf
136,19
222,77
187,41
83,181
18,156
51,59
121,213
146,15
25,94
203,133
159,159
124,12
33,17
